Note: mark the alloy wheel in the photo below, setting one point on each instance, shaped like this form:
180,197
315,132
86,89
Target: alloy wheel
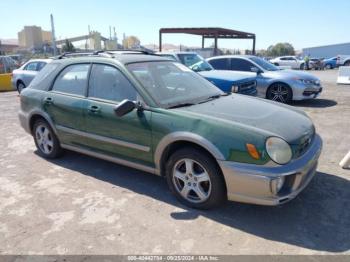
279,93
191,180
44,139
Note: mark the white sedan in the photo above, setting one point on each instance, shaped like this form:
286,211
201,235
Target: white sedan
290,61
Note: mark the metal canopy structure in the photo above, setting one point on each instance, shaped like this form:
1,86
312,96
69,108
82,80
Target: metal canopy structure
208,32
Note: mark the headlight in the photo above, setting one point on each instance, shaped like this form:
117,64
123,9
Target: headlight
307,82
278,150
234,89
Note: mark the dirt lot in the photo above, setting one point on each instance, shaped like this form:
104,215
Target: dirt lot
81,205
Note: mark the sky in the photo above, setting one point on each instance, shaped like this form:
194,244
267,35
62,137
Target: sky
303,23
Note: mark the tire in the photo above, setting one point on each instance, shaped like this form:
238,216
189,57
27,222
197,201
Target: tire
20,86
202,186
328,66
45,140
276,64
302,66
347,63
280,92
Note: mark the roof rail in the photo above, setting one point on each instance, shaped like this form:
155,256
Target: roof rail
72,54
145,52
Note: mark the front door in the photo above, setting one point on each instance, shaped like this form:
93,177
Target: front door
127,137
64,103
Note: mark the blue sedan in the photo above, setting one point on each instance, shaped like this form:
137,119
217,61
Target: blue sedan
330,63
228,81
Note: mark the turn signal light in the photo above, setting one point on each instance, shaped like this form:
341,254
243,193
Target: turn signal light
253,152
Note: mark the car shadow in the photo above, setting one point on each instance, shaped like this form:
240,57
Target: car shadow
314,103
318,219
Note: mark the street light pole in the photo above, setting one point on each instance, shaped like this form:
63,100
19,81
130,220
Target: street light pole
53,36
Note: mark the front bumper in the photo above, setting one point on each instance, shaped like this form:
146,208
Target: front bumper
252,183
301,91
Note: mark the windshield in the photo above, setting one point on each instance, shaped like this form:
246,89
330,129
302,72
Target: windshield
172,84
264,64
195,62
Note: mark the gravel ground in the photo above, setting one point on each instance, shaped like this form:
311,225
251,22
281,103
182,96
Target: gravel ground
82,205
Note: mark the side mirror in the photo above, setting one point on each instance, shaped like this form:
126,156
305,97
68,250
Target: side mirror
255,70
125,107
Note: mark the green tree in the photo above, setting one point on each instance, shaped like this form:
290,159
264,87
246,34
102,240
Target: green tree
280,49
68,47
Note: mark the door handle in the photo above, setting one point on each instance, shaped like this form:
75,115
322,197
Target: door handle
94,109
48,100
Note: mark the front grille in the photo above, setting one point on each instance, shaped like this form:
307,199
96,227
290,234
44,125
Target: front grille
247,86
312,92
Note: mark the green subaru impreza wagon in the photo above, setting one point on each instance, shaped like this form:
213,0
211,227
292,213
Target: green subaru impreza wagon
156,115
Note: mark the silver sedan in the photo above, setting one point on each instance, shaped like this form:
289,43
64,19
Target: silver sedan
272,82
22,76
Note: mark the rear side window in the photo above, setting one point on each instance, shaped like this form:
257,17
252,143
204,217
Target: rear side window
40,66
72,80
31,66
42,75
220,64
238,64
108,83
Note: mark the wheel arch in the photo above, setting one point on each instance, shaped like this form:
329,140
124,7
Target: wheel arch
171,142
35,116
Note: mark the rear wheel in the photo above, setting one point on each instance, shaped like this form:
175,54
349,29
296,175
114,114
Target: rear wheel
46,140
20,87
279,92
195,179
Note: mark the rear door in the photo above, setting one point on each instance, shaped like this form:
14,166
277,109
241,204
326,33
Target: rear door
65,101
127,137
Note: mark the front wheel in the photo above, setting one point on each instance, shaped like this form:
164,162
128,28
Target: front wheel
195,179
46,140
279,92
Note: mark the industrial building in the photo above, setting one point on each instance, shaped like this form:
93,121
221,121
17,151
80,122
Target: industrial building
327,51
33,37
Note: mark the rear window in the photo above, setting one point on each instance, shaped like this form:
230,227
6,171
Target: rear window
43,74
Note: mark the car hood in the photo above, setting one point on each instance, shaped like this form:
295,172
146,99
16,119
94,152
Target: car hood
292,74
267,117
227,75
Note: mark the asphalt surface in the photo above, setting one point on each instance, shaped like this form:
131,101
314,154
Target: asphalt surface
81,205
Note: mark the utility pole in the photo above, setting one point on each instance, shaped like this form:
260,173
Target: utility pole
53,36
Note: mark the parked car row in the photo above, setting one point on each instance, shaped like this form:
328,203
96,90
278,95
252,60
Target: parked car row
314,63
158,115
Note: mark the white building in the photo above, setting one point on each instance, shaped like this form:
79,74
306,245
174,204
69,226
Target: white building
327,51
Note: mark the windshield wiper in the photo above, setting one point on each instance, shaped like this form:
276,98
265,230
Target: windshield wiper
181,105
210,98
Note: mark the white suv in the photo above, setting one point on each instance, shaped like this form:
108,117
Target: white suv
291,61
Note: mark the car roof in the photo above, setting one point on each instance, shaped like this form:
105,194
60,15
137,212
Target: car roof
40,60
231,56
177,53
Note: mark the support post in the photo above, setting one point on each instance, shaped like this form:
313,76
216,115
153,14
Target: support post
216,45
160,41
253,46
202,41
